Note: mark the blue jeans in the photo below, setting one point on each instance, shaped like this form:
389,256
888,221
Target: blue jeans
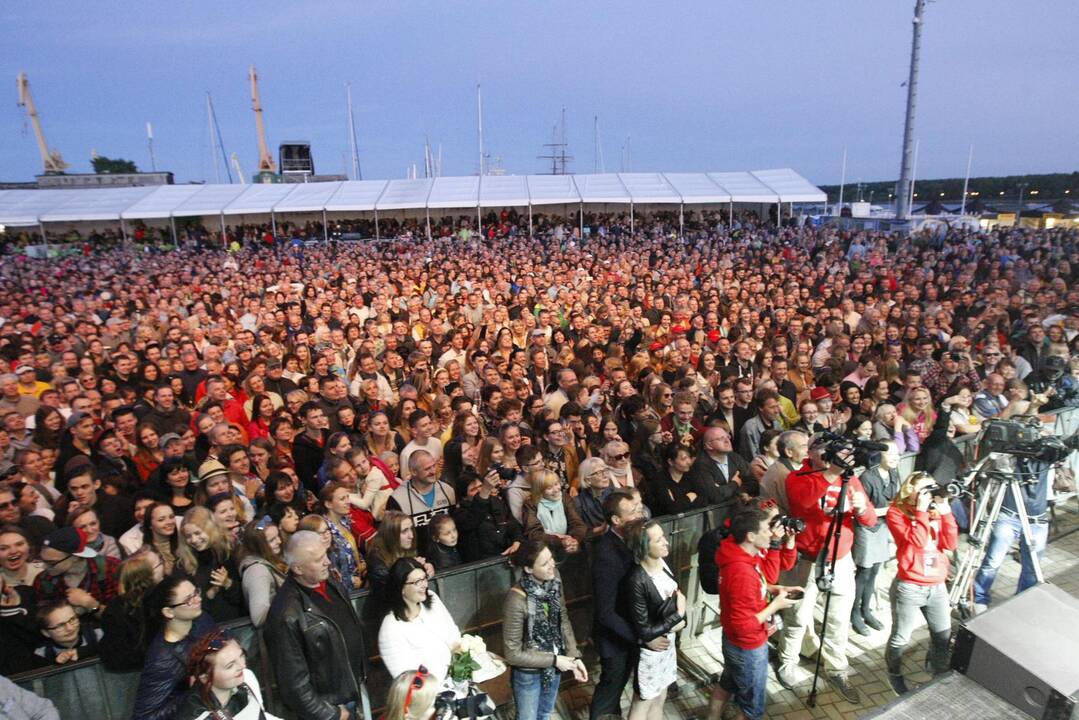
745,676
1006,530
532,700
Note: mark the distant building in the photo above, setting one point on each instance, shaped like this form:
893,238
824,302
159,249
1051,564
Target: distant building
104,180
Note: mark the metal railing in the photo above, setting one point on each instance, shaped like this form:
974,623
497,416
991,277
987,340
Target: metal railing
472,593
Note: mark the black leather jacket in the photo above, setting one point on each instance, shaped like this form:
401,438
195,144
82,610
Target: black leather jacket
308,653
652,616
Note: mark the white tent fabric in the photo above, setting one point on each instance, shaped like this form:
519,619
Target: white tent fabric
552,190
208,201
29,207
160,203
504,191
744,187
455,192
258,199
96,204
405,194
697,189
25,207
790,186
649,188
307,198
602,189
356,196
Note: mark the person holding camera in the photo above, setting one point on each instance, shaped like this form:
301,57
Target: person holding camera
537,634
750,560
923,526
814,497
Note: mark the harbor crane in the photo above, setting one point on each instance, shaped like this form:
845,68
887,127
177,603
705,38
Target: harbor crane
266,163
52,161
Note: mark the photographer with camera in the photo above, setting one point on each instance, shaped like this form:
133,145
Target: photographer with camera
813,494
923,526
750,560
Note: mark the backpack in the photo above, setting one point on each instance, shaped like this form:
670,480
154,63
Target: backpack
707,570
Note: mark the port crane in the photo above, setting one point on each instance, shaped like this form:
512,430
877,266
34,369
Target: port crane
52,161
266,163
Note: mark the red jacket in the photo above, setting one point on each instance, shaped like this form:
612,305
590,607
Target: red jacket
812,498
741,592
919,541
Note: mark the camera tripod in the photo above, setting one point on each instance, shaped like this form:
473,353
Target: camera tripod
1004,478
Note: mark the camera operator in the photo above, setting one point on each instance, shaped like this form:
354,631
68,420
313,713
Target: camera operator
1032,474
750,559
813,495
923,526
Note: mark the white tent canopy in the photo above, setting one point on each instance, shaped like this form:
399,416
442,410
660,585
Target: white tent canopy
30,207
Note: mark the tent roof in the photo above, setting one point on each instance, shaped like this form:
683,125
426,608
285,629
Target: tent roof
356,195
209,200
257,199
455,192
552,189
504,191
649,188
405,194
697,188
602,189
743,187
160,202
28,207
308,197
25,207
790,186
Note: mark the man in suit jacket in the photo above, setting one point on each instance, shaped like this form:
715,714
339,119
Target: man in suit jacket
719,473
616,642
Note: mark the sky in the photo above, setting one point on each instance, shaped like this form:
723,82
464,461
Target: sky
677,87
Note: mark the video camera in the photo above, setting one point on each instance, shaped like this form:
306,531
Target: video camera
847,452
473,705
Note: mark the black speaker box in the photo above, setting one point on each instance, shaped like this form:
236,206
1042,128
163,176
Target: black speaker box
1026,650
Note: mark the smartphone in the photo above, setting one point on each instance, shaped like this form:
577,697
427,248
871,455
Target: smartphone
796,594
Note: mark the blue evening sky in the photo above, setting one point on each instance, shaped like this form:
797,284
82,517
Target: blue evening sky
730,85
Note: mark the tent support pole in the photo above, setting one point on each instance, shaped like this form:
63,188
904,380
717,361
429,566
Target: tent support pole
325,229
224,237
427,213
273,224
530,220
172,226
123,230
376,225
44,237
631,217
479,221
730,216
582,222
682,220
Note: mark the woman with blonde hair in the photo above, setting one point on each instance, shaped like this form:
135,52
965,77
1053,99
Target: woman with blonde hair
205,557
550,515
923,527
412,695
123,645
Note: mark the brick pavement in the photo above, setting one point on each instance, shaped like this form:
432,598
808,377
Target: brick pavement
866,653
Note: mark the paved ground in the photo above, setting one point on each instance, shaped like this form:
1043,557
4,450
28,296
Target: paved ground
702,654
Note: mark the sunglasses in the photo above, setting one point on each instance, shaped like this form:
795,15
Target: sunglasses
417,684
620,456
7,505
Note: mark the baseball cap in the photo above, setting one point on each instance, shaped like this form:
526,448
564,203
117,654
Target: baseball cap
168,437
71,541
23,369
77,417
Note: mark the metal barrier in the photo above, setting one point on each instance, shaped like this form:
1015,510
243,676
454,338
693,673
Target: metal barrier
473,594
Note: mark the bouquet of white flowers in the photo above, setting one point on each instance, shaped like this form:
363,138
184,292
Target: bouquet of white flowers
465,658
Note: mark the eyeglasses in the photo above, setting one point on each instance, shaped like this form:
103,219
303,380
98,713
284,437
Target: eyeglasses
418,581
72,621
188,600
417,684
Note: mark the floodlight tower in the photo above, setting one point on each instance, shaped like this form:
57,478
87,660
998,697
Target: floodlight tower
902,195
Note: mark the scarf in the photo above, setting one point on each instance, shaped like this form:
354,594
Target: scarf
552,516
544,631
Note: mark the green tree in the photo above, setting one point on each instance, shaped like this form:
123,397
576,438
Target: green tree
104,165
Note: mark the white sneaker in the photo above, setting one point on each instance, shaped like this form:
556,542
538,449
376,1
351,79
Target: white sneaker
979,608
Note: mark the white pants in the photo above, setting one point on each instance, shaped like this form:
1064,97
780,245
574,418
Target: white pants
799,633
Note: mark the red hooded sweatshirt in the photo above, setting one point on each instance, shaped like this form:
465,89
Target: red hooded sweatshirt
742,591
919,541
813,499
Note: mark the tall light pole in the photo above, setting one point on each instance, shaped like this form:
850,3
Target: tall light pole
1019,208
902,195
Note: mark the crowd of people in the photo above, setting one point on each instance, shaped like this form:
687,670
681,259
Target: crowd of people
196,436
